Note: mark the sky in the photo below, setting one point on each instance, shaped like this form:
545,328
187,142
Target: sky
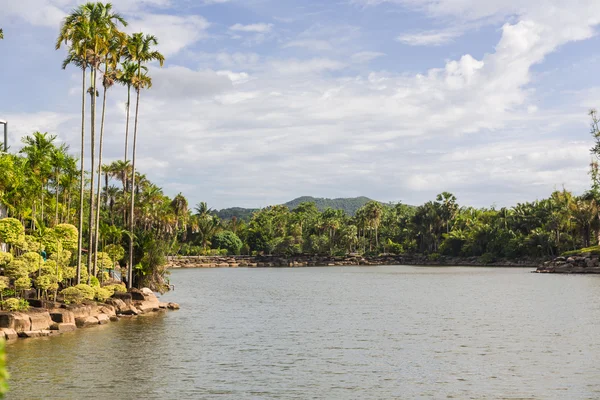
262,101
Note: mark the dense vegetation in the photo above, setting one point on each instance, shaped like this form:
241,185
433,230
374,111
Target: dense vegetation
53,212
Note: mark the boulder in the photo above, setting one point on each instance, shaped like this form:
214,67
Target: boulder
173,306
118,304
62,317
103,319
40,320
137,294
124,297
108,310
63,327
35,334
9,334
83,322
19,322
147,292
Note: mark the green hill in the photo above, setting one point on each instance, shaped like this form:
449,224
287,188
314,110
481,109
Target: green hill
349,205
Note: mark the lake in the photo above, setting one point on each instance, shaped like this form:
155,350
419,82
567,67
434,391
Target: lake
393,332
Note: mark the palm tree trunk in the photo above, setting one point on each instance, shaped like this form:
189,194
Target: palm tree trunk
99,180
131,210
92,156
127,123
82,183
57,190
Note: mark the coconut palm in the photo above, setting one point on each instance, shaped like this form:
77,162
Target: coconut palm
87,30
139,50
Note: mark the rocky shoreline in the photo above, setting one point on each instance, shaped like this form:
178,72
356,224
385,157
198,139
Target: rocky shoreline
330,261
47,318
582,264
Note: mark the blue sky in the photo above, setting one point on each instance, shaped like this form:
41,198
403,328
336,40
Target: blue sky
261,101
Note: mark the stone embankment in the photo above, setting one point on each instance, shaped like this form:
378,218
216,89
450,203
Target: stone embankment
46,318
324,261
583,264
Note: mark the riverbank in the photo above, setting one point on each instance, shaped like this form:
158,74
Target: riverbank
330,261
47,318
582,264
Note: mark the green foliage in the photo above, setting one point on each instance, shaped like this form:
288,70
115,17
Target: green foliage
11,231
94,282
487,258
68,235
116,289
104,261
14,304
434,257
87,291
73,295
4,375
51,243
16,269
115,252
4,283
593,250
227,240
5,259
23,283
102,294
46,282
61,259
32,260
68,272
32,244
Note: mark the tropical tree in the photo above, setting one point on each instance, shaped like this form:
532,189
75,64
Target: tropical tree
139,50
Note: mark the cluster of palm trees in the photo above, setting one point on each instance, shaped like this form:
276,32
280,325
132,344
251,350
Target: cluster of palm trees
97,45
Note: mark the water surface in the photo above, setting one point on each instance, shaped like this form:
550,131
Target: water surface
335,333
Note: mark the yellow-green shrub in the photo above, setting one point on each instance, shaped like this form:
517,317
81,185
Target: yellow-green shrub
68,235
87,291
5,258
15,304
33,261
11,231
32,244
116,289
72,295
102,294
23,283
16,269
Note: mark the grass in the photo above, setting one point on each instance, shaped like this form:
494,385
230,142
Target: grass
594,250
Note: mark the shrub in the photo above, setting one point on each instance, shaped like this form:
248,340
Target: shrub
62,259
94,282
104,261
69,273
115,252
87,291
46,283
32,260
487,258
15,304
68,235
32,244
5,259
72,295
116,289
22,284
51,242
16,269
227,240
102,294
11,231
433,257
4,283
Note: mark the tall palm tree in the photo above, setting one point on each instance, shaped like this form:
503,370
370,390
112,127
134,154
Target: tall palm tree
139,50
58,159
87,30
127,78
112,56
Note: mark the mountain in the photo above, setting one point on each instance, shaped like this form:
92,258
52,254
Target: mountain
349,205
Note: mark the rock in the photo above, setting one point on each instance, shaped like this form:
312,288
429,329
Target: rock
19,322
108,310
63,327
173,306
35,334
147,292
83,310
163,305
9,334
103,319
83,322
118,304
114,318
40,320
62,317
136,294
124,297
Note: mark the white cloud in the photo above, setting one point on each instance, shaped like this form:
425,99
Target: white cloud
253,28
430,38
366,56
315,45
173,32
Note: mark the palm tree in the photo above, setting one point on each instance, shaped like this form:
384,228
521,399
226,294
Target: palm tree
112,57
58,159
1,34
139,50
86,29
127,78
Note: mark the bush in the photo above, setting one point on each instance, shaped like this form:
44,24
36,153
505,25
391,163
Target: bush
94,282
434,257
68,273
11,231
72,295
22,284
227,240
87,291
115,252
16,269
15,304
51,242
116,289
102,294
32,244
5,259
46,283
68,235
487,258
33,261
104,261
